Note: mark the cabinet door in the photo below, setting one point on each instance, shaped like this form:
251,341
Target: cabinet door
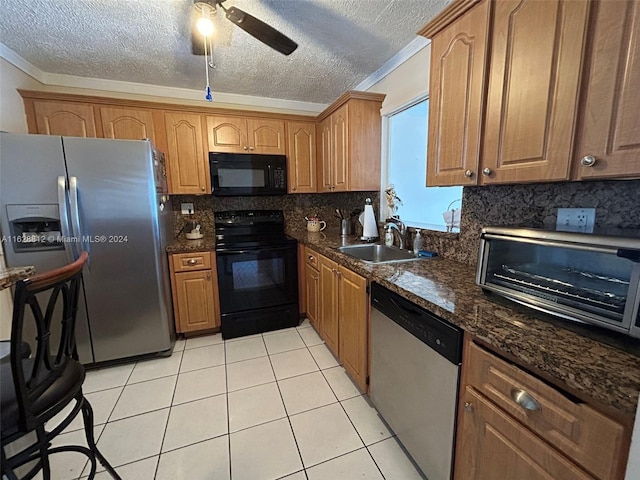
127,123
325,154
611,115
536,59
312,296
301,158
353,334
266,136
340,149
456,86
492,446
227,134
66,119
188,164
328,272
195,308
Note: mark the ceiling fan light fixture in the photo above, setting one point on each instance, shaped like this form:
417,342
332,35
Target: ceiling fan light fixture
205,12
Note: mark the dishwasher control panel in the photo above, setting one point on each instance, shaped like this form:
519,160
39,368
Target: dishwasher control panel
440,335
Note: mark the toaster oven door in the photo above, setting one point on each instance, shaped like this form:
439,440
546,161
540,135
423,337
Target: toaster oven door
581,282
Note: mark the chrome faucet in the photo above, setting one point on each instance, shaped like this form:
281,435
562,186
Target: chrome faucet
399,227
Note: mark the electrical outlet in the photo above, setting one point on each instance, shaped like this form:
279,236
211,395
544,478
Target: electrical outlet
576,219
186,208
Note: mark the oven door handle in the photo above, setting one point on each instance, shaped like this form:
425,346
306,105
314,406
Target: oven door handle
257,250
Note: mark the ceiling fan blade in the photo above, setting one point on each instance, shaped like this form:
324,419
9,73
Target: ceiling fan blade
260,30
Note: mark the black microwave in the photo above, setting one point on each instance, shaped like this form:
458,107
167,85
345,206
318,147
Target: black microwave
234,174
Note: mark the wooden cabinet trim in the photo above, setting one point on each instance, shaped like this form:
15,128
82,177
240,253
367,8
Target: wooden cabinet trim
446,17
183,262
352,94
143,104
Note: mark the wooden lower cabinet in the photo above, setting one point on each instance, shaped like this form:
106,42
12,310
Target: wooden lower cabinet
493,446
328,302
339,300
511,424
352,325
194,287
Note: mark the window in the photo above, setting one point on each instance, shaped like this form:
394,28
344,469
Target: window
421,207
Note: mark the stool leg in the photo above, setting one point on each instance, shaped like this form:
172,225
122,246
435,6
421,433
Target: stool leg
87,414
6,470
43,446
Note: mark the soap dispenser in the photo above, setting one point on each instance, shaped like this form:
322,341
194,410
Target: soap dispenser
417,242
388,236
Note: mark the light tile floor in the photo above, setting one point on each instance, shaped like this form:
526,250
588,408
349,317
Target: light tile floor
270,406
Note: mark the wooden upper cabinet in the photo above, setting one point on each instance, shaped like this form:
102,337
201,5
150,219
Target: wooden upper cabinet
301,157
127,123
227,134
187,159
532,98
63,118
456,86
266,136
349,142
611,109
246,135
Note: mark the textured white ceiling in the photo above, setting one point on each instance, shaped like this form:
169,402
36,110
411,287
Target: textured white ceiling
341,42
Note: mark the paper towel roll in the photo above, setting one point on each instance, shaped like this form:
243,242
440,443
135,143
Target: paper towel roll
370,226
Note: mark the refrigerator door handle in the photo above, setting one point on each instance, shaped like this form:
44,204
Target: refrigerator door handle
75,216
67,239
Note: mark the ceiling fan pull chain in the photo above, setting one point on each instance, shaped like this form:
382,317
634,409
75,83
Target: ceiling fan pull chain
208,97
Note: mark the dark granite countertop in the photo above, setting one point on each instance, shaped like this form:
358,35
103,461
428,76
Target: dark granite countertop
10,275
590,369
182,245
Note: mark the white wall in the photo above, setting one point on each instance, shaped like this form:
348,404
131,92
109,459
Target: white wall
12,117
406,83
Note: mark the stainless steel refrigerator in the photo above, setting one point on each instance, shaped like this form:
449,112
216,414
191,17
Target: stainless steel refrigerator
62,195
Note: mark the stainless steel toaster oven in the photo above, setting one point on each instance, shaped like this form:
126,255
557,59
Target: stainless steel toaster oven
588,277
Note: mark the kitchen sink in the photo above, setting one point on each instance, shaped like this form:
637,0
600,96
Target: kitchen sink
373,253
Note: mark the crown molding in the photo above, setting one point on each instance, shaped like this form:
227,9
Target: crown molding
132,88
394,62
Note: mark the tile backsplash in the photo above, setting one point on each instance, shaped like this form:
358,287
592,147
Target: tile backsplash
617,204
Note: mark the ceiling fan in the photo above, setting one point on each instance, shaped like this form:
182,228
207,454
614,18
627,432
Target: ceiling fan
250,24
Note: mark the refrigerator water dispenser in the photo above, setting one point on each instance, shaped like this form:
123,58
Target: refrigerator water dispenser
34,227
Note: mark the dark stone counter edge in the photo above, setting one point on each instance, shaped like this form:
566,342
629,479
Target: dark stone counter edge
596,372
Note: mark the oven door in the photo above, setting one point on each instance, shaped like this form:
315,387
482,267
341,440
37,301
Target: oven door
255,278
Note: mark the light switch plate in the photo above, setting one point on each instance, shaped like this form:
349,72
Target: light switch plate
186,208
576,219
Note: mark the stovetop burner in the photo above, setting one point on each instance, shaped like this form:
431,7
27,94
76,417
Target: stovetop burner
250,229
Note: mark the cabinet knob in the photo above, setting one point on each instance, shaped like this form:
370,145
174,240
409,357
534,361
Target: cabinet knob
525,400
245,148
251,148
202,188
486,171
468,407
588,161
310,258
192,261
468,173
294,188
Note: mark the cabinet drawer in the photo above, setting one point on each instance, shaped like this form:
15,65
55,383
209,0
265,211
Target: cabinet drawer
580,432
187,262
311,258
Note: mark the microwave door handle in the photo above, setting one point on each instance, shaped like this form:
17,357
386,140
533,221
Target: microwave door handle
65,226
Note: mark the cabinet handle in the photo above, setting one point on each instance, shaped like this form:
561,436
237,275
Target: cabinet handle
588,161
525,400
486,171
192,261
339,273
468,407
208,277
468,173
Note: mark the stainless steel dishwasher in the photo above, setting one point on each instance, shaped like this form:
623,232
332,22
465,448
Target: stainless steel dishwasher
415,369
